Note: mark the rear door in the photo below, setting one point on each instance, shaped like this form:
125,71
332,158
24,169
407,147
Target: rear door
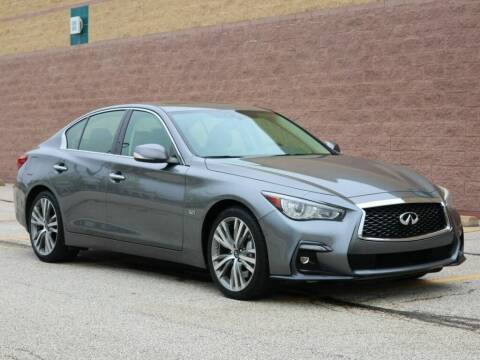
145,201
82,174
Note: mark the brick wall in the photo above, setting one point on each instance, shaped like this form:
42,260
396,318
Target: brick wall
399,83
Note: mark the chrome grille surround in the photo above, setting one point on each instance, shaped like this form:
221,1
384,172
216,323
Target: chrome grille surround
397,201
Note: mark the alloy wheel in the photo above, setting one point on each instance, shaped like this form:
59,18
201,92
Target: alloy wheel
233,254
43,226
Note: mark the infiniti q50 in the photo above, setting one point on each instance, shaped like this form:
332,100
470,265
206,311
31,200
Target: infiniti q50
241,191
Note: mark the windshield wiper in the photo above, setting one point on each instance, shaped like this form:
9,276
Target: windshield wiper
297,154
222,157
254,156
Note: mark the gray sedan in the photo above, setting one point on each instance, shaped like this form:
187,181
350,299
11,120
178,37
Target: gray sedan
240,191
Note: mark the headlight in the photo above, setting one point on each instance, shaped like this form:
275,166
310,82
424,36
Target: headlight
447,197
299,209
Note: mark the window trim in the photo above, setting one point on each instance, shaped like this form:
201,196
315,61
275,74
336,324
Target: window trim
81,134
122,120
124,128
129,111
117,146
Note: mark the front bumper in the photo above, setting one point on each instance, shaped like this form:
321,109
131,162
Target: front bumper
455,259
346,256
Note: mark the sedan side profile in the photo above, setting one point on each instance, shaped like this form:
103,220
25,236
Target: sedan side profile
241,191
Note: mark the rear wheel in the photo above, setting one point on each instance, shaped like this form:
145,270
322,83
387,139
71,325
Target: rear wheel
46,230
237,255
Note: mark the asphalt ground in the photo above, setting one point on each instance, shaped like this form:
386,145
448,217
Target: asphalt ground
113,306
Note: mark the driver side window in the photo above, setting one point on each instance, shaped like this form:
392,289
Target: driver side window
144,128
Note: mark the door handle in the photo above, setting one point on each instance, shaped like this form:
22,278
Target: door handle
60,167
117,176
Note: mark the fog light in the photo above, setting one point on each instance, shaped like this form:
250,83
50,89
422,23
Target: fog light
304,260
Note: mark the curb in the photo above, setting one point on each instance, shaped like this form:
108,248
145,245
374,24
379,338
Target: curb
6,192
470,221
17,243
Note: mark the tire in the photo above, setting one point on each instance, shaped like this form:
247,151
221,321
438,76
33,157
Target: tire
245,269
46,231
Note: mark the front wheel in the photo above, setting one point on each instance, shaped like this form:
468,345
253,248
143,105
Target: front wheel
46,230
237,255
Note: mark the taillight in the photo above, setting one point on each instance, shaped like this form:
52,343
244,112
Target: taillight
21,160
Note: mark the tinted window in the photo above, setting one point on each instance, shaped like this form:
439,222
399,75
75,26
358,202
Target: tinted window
100,131
225,133
144,128
74,134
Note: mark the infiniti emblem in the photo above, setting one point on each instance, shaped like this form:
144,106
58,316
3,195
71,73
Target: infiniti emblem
409,218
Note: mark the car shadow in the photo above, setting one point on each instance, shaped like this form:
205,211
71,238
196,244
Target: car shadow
394,290
148,266
282,291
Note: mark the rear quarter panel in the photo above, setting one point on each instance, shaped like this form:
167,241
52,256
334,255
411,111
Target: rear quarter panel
37,171
70,188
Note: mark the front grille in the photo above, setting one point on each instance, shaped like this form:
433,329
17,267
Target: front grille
398,260
384,221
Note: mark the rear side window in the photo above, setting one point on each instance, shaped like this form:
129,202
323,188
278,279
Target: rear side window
74,134
100,131
144,128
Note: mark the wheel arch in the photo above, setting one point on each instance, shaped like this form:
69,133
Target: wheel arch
212,214
32,194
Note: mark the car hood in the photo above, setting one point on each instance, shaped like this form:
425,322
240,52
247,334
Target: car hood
332,174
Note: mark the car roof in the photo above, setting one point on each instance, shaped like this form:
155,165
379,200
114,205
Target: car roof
174,107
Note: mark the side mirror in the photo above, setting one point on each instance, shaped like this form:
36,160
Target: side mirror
333,146
151,153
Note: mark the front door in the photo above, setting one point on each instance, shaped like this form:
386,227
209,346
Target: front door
145,201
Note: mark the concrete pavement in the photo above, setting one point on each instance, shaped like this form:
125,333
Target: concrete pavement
111,306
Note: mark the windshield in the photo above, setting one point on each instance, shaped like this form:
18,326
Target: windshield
234,133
